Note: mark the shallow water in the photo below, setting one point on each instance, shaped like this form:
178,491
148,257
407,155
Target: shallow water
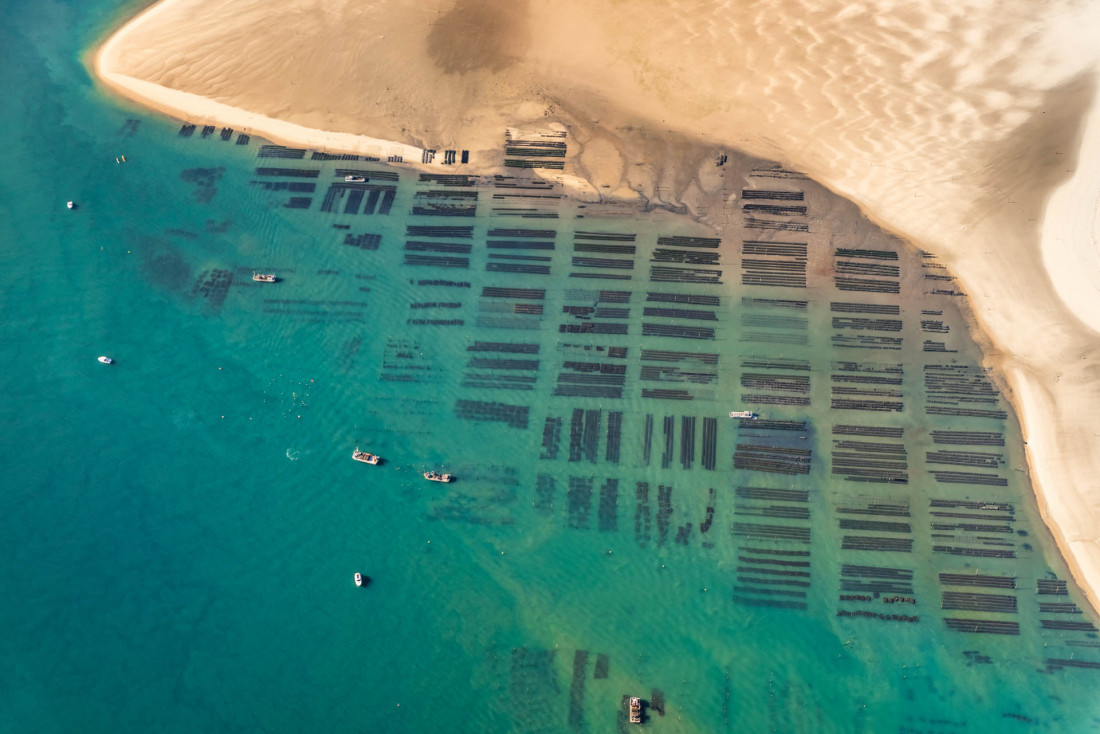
182,527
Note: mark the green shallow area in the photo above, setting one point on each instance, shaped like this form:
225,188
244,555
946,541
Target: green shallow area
181,527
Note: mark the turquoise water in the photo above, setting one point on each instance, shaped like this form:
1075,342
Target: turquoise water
180,529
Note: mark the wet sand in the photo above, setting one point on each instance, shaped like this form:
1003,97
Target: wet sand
962,129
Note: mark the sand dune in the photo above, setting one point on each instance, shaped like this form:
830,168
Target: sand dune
950,123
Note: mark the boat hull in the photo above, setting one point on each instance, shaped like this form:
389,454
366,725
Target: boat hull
365,457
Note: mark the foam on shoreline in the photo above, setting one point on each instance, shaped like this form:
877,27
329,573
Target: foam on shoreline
185,105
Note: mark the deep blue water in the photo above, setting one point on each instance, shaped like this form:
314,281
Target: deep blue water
179,530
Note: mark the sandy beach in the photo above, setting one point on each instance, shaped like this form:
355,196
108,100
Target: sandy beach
973,131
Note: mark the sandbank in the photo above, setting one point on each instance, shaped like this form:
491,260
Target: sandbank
972,131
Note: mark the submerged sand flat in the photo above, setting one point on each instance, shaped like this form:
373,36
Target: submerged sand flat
954,125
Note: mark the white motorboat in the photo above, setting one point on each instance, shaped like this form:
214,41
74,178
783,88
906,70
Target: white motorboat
355,179
743,414
366,458
264,277
358,579
434,476
105,360
70,204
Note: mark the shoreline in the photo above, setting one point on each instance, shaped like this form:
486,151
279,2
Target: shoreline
1053,393
1013,387
188,107
192,107
1060,464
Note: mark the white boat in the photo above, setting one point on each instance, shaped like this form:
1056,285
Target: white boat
635,710
434,476
358,579
105,360
70,204
743,414
355,179
264,277
365,457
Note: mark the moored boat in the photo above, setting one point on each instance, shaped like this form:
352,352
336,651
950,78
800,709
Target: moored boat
354,179
366,458
105,360
70,204
635,710
264,277
358,579
743,414
435,476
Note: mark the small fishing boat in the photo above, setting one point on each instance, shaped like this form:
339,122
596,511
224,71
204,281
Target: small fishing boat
743,414
70,204
355,179
358,579
105,360
264,277
365,457
635,710
434,476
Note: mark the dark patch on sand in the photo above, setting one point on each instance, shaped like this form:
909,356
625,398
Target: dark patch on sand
1041,154
480,34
